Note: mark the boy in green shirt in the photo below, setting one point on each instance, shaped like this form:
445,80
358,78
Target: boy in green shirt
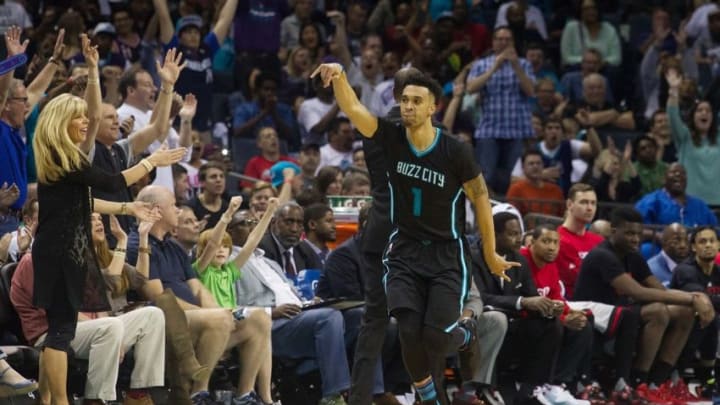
215,269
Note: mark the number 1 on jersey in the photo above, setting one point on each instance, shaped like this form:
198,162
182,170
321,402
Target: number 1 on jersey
417,201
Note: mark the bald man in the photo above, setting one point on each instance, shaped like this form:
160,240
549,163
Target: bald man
601,227
213,329
601,113
675,249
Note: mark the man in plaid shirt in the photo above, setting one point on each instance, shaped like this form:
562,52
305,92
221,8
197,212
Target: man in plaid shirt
506,83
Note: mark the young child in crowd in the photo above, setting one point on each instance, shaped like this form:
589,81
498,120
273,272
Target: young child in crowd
215,267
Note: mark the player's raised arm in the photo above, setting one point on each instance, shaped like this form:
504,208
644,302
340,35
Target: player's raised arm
477,192
361,118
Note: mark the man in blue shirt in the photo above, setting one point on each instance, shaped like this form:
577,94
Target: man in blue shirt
13,155
197,77
671,204
505,83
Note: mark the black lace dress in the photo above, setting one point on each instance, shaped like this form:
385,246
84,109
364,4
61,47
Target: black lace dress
66,268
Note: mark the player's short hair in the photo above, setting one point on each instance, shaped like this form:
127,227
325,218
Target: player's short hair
354,179
423,80
538,230
129,79
363,215
696,231
501,219
623,215
552,120
578,188
178,170
400,78
202,172
530,152
314,212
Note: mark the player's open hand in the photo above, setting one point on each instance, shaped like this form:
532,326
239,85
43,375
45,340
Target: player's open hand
328,72
498,266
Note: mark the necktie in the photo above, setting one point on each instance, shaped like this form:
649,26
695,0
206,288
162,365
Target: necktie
289,267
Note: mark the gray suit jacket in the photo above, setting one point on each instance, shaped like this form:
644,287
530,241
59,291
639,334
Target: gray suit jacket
251,288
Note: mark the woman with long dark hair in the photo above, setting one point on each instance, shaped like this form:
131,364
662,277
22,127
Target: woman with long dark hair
67,275
696,142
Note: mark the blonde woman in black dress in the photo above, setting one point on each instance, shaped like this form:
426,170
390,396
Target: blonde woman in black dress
67,275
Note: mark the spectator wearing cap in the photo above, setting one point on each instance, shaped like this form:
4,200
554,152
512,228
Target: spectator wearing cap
533,16
259,166
212,201
316,114
338,151
197,77
506,83
104,36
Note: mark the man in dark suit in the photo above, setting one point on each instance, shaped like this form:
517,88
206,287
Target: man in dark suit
283,245
531,318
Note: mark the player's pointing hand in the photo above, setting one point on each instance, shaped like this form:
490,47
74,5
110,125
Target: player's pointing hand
328,72
498,266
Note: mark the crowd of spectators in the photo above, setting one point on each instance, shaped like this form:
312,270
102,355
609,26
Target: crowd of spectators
596,121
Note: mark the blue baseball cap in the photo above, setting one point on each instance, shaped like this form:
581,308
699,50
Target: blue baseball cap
276,176
192,20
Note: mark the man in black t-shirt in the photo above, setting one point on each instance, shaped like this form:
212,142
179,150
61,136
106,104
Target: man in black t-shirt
699,273
212,201
427,272
615,273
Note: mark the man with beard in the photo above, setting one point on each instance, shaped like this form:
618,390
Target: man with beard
699,273
427,276
671,204
319,225
615,273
